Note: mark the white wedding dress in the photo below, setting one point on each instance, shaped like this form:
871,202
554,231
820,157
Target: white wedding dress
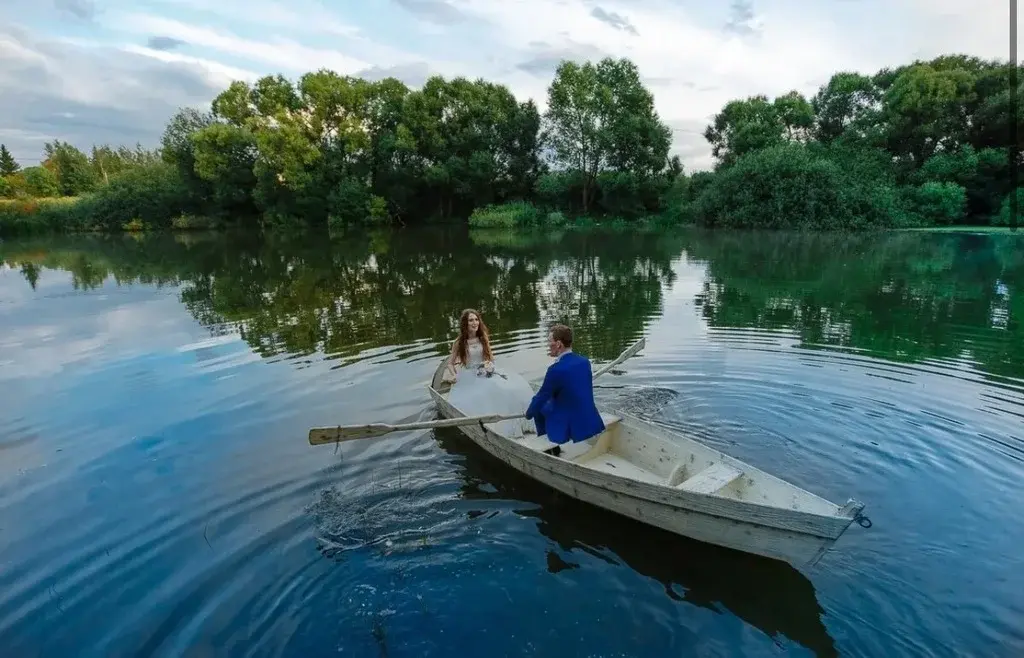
505,393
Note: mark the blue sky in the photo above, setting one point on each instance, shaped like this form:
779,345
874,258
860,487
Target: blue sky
114,71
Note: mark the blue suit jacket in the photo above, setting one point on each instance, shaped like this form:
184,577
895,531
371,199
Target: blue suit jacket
563,407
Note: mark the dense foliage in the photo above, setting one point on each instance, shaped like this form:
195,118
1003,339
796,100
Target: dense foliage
923,144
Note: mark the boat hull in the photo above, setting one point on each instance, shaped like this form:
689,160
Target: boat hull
798,538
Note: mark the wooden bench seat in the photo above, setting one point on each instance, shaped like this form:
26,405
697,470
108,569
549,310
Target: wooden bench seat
711,479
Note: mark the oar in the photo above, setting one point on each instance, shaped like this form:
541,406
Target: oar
321,435
339,433
630,351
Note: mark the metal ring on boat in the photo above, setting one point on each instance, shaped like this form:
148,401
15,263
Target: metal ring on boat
863,521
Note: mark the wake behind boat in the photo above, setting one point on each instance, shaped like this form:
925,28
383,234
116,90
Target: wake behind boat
673,481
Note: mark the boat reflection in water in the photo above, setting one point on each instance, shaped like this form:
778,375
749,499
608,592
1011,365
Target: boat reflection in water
768,594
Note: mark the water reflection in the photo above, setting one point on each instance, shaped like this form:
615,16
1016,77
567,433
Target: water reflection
767,594
299,296
906,296
911,297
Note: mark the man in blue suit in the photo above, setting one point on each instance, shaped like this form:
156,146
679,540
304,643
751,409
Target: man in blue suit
563,407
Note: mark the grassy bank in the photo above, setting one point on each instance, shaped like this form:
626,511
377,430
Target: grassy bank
981,230
79,215
527,216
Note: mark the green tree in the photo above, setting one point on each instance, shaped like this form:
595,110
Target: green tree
924,142
984,174
849,105
8,165
224,156
178,150
796,114
925,110
153,194
75,175
41,182
744,126
601,119
1010,209
108,161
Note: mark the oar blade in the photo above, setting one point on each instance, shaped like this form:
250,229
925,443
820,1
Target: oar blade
321,435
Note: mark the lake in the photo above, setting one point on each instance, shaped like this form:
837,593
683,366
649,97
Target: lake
155,472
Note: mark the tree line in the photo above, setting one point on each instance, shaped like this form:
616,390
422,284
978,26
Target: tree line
927,143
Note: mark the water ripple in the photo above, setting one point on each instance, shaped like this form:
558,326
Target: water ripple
158,495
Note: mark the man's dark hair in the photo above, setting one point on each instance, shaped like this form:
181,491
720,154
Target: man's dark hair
563,334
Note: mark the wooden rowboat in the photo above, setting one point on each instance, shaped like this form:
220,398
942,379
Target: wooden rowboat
673,481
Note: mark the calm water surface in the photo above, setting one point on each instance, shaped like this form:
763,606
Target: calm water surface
158,496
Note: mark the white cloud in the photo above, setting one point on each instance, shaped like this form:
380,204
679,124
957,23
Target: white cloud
60,89
275,53
304,15
42,342
349,51
979,27
702,65
694,64
218,74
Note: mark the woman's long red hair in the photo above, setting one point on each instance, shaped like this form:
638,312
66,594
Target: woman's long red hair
461,343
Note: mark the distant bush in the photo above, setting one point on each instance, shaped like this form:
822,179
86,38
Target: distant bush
187,222
793,186
937,204
556,218
153,196
31,215
507,215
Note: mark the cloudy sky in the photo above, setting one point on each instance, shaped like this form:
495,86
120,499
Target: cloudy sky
114,71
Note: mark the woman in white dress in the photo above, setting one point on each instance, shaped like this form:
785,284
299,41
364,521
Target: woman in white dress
479,388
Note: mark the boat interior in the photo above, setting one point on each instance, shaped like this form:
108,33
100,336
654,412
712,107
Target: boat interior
644,452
